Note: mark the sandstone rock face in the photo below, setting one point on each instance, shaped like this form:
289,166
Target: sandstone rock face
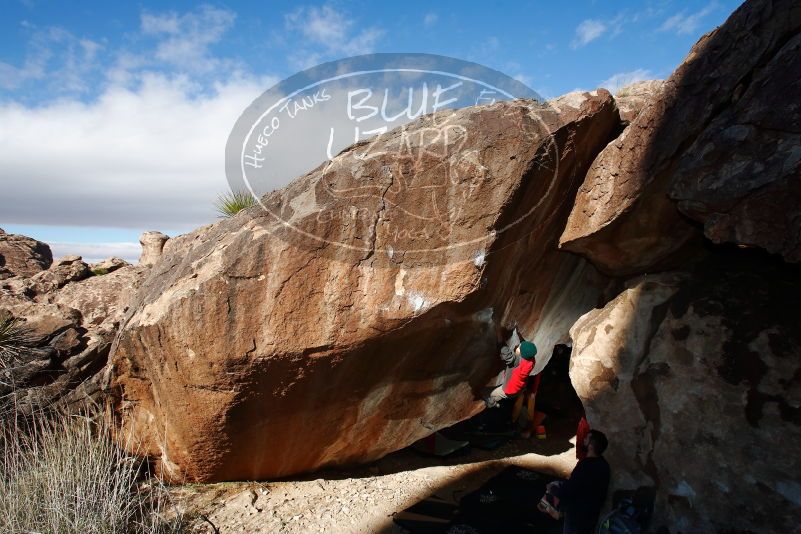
70,318
152,245
22,256
715,140
102,299
108,265
354,315
694,377
64,270
741,177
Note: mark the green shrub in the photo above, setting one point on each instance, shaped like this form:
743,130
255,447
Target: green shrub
232,202
99,271
66,474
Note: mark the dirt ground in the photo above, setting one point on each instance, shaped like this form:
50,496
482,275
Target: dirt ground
363,499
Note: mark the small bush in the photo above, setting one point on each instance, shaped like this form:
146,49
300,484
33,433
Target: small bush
16,349
14,342
99,271
65,475
232,202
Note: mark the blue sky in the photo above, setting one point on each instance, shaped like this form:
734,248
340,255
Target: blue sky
113,116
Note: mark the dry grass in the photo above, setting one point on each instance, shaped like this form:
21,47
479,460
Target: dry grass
15,343
66,475
16,351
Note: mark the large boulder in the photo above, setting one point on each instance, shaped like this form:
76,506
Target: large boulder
694,377
741,177
721,140
22,256
354,313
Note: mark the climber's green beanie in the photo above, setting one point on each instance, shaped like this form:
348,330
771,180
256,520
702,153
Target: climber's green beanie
528,350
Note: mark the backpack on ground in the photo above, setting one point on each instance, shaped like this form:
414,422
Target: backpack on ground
631,515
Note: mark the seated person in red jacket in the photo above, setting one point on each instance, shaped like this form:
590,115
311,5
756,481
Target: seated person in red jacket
519,364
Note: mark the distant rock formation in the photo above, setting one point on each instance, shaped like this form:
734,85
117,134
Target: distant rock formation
22,256
152,244
70,312
108,265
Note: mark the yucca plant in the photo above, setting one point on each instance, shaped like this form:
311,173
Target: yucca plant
230,203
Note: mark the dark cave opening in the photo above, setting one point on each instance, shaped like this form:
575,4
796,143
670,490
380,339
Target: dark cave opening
557,397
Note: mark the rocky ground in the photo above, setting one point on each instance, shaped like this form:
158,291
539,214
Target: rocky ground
362,499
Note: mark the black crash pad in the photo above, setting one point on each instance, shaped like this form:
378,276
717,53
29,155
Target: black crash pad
506,502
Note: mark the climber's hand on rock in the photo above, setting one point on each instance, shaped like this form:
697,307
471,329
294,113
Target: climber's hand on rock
495,397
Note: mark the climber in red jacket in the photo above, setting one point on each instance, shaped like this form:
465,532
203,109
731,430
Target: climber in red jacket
519,364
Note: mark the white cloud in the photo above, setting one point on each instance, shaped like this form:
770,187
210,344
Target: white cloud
328,33
588,31
151,157
687,24
55,55
617,81
147,151
616,24
58,62
591,29
95,252
430,19
186,38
